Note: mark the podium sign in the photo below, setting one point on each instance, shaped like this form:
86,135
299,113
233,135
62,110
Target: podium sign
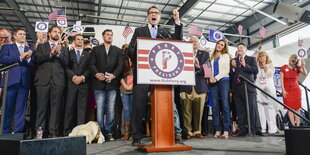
165,62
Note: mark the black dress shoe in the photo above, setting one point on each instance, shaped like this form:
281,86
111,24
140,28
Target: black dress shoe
259,133
136,142
239,135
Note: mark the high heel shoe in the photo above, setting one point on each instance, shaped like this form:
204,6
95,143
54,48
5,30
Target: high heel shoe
225,135
217,134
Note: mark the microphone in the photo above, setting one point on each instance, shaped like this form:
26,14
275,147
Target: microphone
165,32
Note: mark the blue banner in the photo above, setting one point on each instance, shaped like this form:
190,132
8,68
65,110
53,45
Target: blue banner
215,35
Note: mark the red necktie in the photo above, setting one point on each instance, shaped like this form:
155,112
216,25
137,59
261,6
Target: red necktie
238,78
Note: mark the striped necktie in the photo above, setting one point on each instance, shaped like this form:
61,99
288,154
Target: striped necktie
238,78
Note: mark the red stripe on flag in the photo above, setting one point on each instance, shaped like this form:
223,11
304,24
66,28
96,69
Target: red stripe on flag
188,54
143,66
143,51
142,59
188,68
189,61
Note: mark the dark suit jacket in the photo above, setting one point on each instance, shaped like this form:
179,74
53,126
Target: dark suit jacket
201,83
145,32
20,74
50,66
100,62
78,69
249,71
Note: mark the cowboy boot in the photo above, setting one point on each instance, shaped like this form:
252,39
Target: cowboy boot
126,129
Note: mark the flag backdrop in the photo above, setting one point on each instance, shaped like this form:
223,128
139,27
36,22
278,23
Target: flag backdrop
127,31
215,35
57,15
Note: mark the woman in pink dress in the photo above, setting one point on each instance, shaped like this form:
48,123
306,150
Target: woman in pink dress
290,87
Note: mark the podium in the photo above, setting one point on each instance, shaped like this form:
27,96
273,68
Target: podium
166,63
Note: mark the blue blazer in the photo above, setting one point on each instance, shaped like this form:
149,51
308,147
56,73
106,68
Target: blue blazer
19,74
201,83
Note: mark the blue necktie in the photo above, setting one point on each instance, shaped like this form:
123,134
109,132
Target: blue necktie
154,32
78,56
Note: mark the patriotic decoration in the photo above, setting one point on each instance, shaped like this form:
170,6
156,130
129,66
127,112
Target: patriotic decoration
195,30
165,62
78,28
301,52
57,15
72,33
78,23
203,41
240,28
94,41
215,35
41,27
127,31
300,41
62,23
262,31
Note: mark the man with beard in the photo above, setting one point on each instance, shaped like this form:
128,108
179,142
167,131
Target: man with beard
18,81
49,80
106,64
140,91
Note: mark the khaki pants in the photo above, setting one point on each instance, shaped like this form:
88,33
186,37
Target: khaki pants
193,104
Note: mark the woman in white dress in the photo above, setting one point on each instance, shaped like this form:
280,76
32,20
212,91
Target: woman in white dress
266,106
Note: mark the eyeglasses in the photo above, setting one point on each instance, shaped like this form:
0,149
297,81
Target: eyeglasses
156,13
4,38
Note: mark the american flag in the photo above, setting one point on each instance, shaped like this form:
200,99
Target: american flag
57,15
72,33
262,31
128,30
195,30
240,28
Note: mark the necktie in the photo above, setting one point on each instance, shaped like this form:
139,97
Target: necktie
21,49
154,32
53,45
78,56
238,78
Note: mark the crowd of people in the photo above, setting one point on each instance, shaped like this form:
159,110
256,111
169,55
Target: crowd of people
65,84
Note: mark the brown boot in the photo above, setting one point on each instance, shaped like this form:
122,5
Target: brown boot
126,129
147,128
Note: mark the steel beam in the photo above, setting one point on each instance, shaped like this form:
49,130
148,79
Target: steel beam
23,19
187,6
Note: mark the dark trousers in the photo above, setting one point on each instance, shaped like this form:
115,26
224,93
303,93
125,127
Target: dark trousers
49,101
240,103
204,122
17,96
76,107
118,116
139,107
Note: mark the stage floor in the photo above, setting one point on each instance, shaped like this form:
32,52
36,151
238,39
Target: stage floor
265,145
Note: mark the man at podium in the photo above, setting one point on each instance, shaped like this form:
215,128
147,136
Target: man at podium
140,91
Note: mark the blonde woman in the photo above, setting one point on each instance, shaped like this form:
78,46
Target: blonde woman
290,88
266,106
219,87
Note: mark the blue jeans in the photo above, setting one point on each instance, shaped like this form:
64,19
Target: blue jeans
105,101
220,90
127,104
177,126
